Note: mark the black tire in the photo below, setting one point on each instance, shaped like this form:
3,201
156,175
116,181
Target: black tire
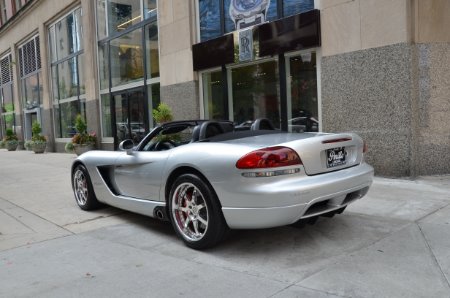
83,190
195,212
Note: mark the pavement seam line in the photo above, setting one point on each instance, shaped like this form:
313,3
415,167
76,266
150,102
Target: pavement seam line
431,213
17,220
340,257
433,255
37,215
314,290
95,218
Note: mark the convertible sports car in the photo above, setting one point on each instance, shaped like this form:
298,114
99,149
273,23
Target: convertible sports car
207,177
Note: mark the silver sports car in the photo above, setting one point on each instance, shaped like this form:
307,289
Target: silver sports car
207,177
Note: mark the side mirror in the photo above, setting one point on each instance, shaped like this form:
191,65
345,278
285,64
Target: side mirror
126,145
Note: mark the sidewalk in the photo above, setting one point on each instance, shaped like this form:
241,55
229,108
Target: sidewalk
395,242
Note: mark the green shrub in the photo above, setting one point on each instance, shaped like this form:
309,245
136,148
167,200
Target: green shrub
163,113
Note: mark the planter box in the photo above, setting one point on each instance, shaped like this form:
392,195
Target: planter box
38,147
11,146
80,149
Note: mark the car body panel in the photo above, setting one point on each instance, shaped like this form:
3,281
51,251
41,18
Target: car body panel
138,180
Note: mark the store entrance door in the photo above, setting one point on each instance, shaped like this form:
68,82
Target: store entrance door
30,116
130,119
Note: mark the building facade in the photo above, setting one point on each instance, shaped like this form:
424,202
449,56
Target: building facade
380,68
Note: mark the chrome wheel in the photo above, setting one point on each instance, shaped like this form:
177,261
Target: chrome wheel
189,211
80,185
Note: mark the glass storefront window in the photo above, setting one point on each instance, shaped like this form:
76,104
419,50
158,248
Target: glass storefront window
292,7
106,115
303,105
51,37
101,19
67,74
31,91
243,14
81,81
68,35
68,113
152,47
67,78
127,58
213,96
7,106
154,98
209,11
256,92
150,9
123,15
103,66
7,103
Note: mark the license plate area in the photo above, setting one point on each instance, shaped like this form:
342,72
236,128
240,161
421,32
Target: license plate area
336,157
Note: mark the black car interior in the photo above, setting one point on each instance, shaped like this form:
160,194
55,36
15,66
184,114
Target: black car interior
206,131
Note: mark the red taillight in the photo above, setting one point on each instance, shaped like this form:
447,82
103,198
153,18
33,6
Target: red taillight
365,147
272,157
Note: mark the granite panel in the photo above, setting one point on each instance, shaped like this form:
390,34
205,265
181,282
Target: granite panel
183,99
369,92
434,108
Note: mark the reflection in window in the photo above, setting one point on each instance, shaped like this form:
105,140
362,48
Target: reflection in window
123,15
103,66
292,7
213,96
152,47
150,9
209,11
101,19
127,58
67,78
31,91
68,35
154,98
256,92
68,113
68,83
303,106
106,115
7,106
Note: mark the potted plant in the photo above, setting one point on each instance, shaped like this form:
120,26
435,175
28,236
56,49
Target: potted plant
28,145
83,141
162,114
11,140
38,141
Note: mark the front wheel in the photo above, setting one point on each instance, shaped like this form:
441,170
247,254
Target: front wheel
195,212
83,190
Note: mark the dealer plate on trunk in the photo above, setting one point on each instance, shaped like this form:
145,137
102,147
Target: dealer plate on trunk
336,157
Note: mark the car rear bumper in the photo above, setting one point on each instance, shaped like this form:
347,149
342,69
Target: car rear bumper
296,199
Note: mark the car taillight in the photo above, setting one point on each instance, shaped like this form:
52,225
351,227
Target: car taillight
272,157
365,147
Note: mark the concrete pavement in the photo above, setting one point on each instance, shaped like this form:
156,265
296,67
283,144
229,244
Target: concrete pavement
395,242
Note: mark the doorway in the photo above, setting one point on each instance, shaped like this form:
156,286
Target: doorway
130,115
31,116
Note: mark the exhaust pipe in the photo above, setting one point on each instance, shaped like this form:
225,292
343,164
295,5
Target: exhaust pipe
160,213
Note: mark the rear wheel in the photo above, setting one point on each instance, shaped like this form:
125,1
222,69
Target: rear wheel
83,190
195,212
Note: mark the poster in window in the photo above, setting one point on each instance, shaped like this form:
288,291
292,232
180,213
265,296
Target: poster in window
247,13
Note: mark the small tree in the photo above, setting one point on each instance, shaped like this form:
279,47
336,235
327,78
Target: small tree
36,133
163,113
10,135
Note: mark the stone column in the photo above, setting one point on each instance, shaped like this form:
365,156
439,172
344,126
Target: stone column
93,115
